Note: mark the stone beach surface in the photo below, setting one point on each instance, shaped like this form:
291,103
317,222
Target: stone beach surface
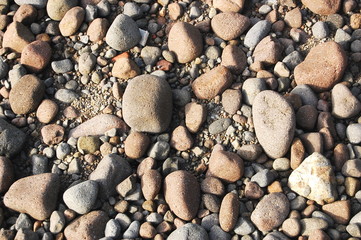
194,120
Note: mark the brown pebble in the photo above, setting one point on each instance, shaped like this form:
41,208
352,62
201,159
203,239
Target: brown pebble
151,183
36,56
352,185
6,174
175,11
340,156
71,112
195,116
291,227
340,211
97,29
52,134
231,100
25,14
46,111
145,165
136,144
122,206
147,230
253,190
229,212
16,37
164,227
125,68
181,139
318,234
274,187
213,185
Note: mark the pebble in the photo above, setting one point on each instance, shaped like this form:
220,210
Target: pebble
281,164
219,126
52,134
181,139
150,55
352,168
185,41
314,179
158,111
112,229
97,29
36,56
57,222
213,185
320,30
111,170
306,117
86,63
268,51
293,18
222,28
189,231
47,111
231,100
26,234
306,94
309,225
56,9
16,37
342,38
234,59
182,194
66,95
321,7
263,178
71,21
39,163
250,152
147,230
98,125
34,195
36,3
339,211
308,72
291,227
23,221
136,144
257,33
62,66
4,68
132,231
195,116
125,68
354,230
88,144
274,122
271,211
353,133
123,33
159,151
151,183
211,202
344,104
88,226
292,59
251,88
244,227
12,139
212,83
229,211
27,94
6,174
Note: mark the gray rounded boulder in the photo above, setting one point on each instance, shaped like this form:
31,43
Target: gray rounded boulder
189,231
123,34
147,104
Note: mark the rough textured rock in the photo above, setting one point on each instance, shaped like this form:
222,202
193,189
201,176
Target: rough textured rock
225,165
90,226
228,214
11,139
17,36
323,67
98,125
6,174
27,94
147,104
125,68
229,5
340,211
98,29
274,122
181,139
182,193
123,33
185,41
314,179
268,51
212,83
136,145
323,7
344,104
196,115
151,183
234,59
35,195
229,25
36,56
271,211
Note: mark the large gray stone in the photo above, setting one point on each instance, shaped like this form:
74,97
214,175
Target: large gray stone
189,231
11,139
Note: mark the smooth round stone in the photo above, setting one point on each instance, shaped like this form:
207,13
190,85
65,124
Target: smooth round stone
71,21
62,66
86,63
88,144
251,87
112,229
323,67
243,227
27,94
189,231
36,3
181,139
52,134
155,115
46,111
232,100
352,168
36,56
309,225
185,41
306,94
320,30
125,68
16,37
219,126
229,212
306,117
268,51
151,182
291,227
271,211
281,164
56,9
257,33
353,133
57,222
182,193
136,144
274,122
132,231
321,7
344,104
234,58
222,28
123,33
97,29
66,95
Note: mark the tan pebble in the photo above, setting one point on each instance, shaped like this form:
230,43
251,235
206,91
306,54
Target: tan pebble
355,21
149,206
106,149
71,112
229,212
97,29
341,155
121,206
340,211
352,185
291,227
117,91
69,215
293,18
179,222
16,37
275,187
36,56
151,183
229,5
159,237
25,14
231,100
145,165
222,28
47,110
175,11
52,134
162,208
181,139
125,68
195,116
307,212
234,58
272,16
268,51
136,144
164,227
213,185
253,190
313,142
318,234
147,230
71,21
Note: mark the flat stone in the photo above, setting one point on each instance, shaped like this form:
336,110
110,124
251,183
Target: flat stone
344,104
98,125
274,122
189,231
222,28
323,67
34,195
219,126
147,104
257,33
314,179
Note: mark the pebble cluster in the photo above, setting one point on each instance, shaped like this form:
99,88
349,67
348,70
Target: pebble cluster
198,120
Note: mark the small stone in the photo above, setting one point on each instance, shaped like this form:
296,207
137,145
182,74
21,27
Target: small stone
340,211
291,227
268,51
354,230
86,63
344,104
234,59
231,100
321,7
132,231
281,164
353,133
355,21
52,134
88,226
123,33
189,231
314,179
57,222
293,18
159,151
136,145
145,165
125,68
257,33
27,94
151,183
35,195
271,211
150,55
352,168
212,83
308,72
66,95
47,111
225,165
263,178
306,117
181,139
195,116
250,89
147,230
253,191
306,94
243,227
56,9
222,28
88,144
62,66
182,193
153,117
112,229
219,126
71,21
185,41
17,37
175,11
309,225
126,187
213,185
36,56
97,29
320,30
6,174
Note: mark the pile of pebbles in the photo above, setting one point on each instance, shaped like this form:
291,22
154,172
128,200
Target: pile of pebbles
180,119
